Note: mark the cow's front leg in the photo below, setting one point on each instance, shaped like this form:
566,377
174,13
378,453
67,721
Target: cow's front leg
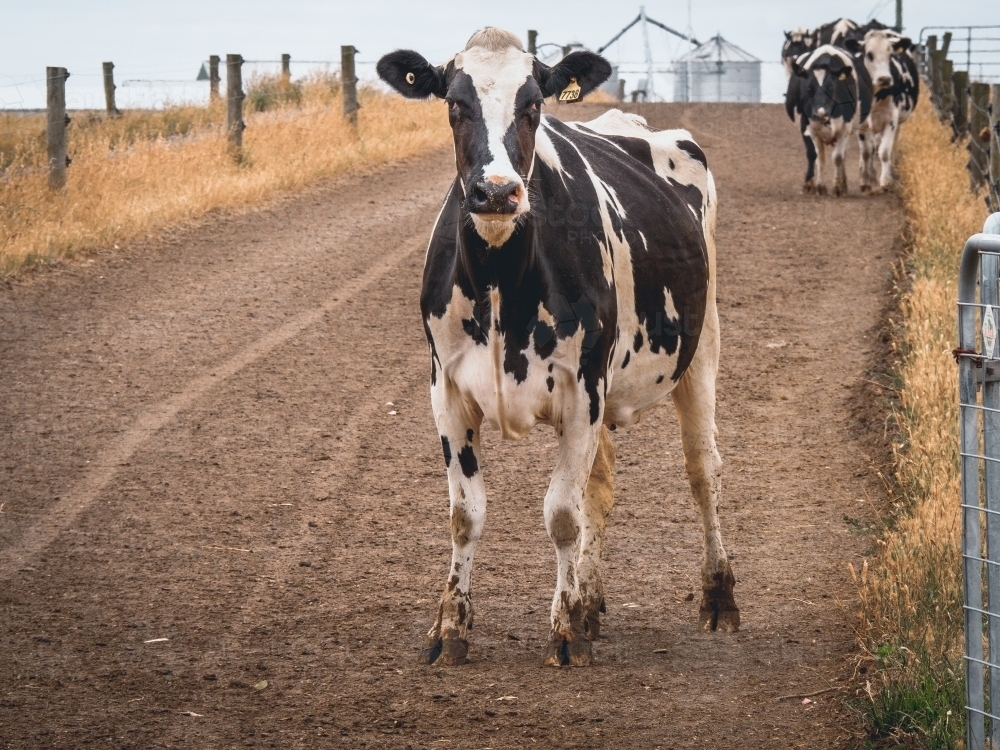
447,642
885,147
840,170
810,181
564,520
866,163
820,167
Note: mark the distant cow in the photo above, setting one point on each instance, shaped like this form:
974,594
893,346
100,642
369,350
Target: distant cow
569,281
827,92
801,41
895,86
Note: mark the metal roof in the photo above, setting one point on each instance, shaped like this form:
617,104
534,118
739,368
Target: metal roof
718,49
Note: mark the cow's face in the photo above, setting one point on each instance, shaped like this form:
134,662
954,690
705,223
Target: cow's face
830,92
878,48
494,92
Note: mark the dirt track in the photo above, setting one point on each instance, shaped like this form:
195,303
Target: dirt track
196,444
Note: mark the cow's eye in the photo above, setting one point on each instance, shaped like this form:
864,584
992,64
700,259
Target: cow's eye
871,56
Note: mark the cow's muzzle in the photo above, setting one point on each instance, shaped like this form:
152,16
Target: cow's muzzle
489,197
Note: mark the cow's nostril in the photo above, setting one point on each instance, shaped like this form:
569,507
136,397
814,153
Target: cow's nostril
479,195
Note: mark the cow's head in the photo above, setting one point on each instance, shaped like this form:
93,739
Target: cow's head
494,91
829,86
878,47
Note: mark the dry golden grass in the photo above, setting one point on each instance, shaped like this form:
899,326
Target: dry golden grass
134,174
911,593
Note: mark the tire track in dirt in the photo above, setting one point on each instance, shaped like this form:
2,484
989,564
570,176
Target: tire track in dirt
76,500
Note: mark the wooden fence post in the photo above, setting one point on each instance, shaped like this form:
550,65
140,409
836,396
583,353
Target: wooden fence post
109,89
995,147
56,122
286,68
979,135
947,95
213,77
960,101
621,89
532,41
234,103
349,83
930,60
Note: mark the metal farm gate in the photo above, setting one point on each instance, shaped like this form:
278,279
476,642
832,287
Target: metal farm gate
979,406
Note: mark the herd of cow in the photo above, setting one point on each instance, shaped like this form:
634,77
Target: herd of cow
846,78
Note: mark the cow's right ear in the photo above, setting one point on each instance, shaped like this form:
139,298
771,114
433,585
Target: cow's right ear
788,35
411,75
854,46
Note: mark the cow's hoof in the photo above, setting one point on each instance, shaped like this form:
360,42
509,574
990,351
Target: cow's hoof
446,652
865,189
711,620
561,652
821,190
838,191
808,189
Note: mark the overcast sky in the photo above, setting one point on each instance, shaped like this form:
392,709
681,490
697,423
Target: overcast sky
170,39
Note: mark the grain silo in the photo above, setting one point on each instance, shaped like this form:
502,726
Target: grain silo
717,71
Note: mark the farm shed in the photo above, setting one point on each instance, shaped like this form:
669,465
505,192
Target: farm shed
717,71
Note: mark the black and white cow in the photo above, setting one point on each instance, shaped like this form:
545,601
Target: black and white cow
829,92
895,86
569,281
797,43
802,41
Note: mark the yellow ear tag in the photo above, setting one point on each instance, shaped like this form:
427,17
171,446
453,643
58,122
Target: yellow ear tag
410,78
571,93
842,76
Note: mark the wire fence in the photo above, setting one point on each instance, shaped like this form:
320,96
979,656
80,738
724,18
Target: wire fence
952,66
150,86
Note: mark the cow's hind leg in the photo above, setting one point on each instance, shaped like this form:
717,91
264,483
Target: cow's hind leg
598,499
447,642
694,398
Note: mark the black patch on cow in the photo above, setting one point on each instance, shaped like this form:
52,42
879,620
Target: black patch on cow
550,383
659,380
551,366
469,434
693,150
625,361
637,341
671,163
446,447
468,462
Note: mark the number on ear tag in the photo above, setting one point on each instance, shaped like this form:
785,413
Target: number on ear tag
571,93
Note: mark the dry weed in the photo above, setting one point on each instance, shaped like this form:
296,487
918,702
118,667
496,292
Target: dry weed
138,173
911,594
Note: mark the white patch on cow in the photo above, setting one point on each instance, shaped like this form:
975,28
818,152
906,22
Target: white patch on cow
820,75
668,305
645,245
878,51
546,151
497,76
827,49
841,28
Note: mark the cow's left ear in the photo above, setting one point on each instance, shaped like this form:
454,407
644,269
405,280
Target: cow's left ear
588,69
853,45
902,44
411,75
